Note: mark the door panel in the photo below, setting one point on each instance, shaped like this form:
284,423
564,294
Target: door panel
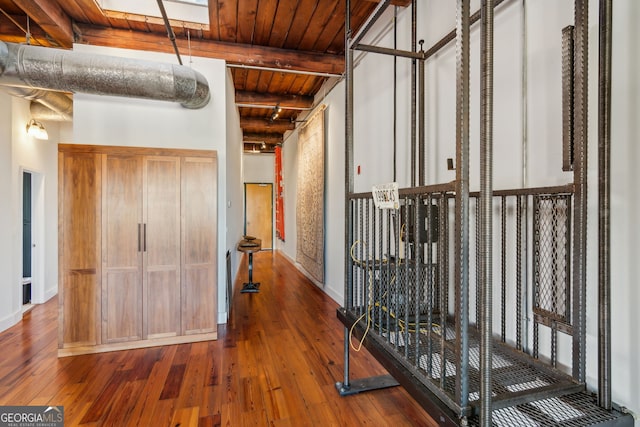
79,219
162,246
259,213
199,243
122,248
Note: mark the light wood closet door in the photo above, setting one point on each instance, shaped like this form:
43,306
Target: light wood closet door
79,249
122,247
162,246
199,219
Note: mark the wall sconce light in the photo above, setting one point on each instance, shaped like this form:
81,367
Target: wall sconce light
37,130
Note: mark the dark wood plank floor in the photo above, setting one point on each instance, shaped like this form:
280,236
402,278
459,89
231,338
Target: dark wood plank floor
275,364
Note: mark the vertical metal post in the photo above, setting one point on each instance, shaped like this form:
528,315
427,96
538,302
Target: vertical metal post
525,113
395,95
413,94
421,118
604,190
348,183
580,182
486,201
461,262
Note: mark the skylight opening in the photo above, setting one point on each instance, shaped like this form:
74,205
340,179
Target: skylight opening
183,10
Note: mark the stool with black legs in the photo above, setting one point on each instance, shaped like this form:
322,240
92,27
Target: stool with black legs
249,245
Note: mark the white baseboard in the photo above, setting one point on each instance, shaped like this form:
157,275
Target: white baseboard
223,316
10,320
326,289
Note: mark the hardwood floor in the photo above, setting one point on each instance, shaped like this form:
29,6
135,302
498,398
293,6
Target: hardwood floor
275,364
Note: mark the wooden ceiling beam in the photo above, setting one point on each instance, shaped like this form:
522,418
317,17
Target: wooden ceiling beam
269,138
272,99
51,18
235,53
279,126
257,147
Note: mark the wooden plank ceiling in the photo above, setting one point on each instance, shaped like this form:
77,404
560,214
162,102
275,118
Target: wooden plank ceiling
280,52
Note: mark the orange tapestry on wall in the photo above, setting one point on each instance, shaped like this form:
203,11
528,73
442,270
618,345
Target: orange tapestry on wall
279,195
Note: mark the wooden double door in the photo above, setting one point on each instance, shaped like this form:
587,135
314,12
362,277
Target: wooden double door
155,219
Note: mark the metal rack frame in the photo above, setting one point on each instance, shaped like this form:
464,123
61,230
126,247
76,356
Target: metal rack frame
458,369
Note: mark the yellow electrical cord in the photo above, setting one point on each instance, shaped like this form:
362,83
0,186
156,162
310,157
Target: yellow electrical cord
410,326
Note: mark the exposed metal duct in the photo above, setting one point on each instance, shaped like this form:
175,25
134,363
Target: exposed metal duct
41,112
68,71
46,104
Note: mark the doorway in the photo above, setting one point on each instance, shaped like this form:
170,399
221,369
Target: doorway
27,237
32,281
258,214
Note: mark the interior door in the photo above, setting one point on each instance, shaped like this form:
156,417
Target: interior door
161,246
122,248
199,245
258,217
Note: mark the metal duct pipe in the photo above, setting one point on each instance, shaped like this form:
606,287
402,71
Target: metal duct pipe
67,71
48,105
41,112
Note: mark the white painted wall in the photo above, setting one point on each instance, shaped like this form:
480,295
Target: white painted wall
9,305
289,177
625,204
235,196
19,153
40,158
258,168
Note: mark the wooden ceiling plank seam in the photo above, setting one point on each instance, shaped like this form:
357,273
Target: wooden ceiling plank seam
264,21
51,18
239,77
253,77
321,17
279,83
328,34
302,85
214,22
288,83
283,20
228,20
247,12
264,81
301,23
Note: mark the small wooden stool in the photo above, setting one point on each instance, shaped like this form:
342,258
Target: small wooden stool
249,245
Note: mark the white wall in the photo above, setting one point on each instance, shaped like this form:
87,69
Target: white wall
40,158
625,203
9,305
289,177
19,153
258,168
235,197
